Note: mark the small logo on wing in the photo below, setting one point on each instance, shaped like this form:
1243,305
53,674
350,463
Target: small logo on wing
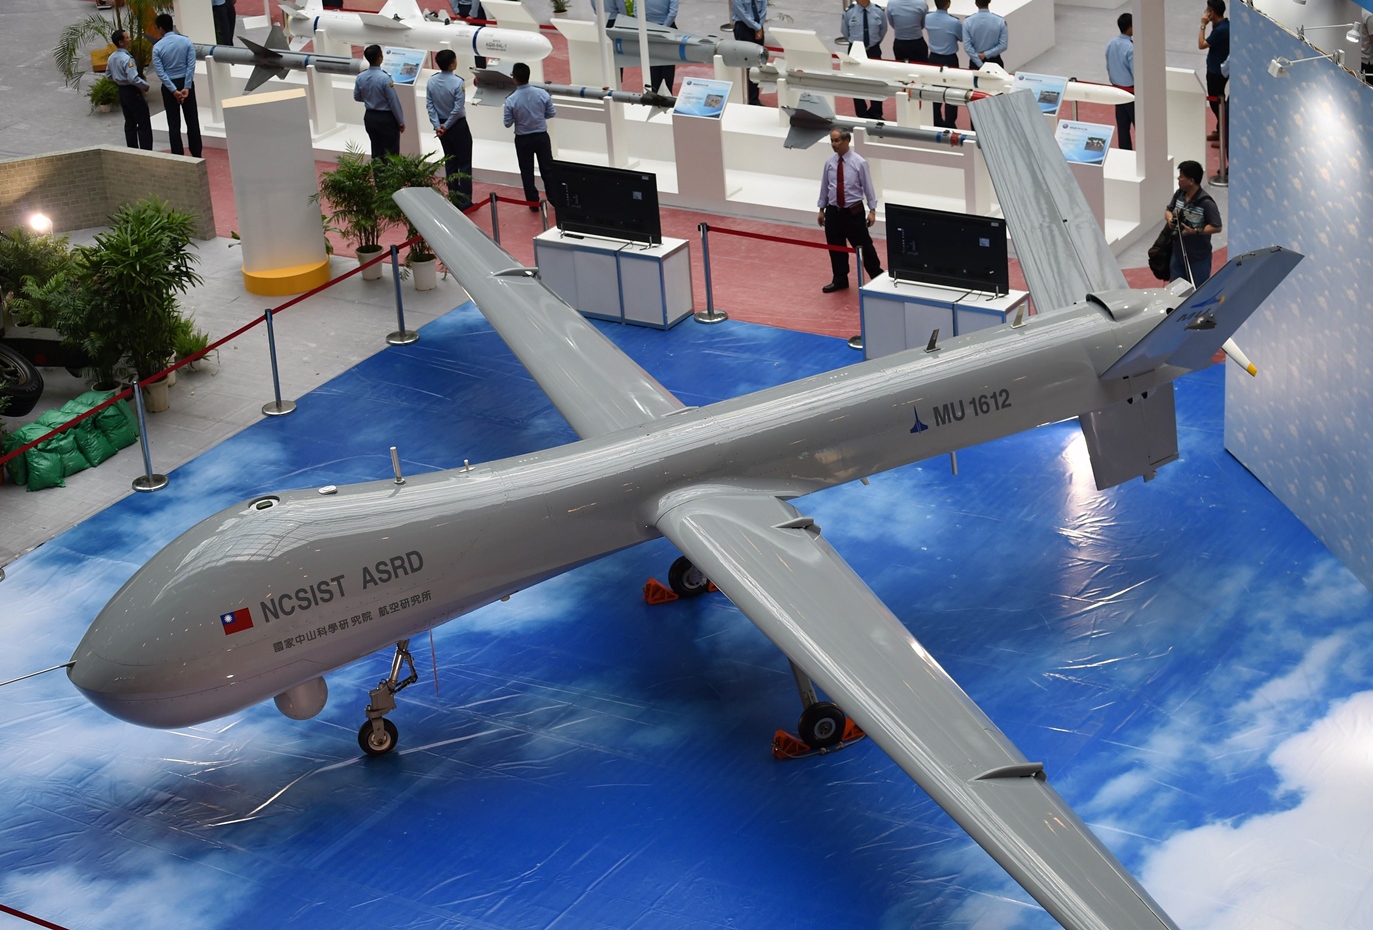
237,621
918,427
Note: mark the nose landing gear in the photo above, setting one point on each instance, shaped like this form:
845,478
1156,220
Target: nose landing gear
378,736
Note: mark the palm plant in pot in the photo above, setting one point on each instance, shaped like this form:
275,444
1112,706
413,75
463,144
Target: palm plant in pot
349,191
133,16
395,173
127,286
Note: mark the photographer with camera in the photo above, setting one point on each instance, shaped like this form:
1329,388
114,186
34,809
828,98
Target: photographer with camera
1193,216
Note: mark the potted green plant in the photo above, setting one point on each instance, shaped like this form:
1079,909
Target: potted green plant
104,94
188,340
560,7
349,191
127,285
395,173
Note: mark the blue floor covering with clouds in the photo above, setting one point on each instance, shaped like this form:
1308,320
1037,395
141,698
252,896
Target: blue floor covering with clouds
1189,663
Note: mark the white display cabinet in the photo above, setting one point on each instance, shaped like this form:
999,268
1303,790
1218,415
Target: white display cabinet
900,315
610,279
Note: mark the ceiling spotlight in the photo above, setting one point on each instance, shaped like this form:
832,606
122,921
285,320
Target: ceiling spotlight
40,224
1354,34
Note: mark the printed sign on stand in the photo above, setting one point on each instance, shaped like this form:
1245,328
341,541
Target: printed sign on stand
403,64
702,97
1085,143
1047,88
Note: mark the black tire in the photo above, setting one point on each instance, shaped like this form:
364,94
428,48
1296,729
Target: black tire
821,725
686,579
371,745
19,381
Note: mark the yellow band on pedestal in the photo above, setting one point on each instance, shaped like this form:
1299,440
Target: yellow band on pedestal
281,282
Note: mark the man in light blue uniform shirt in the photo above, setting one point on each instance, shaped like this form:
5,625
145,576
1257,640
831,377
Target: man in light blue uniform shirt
446,100
613,8
907,18
174,60
529,109
123,70
383,119
749,16
944,31
663,12
864,23
1120,71
984,36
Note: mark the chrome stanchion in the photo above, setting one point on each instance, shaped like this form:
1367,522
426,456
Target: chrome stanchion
277,407
495,221
148,481
1222,179
403,336
543,214
856,342
710,314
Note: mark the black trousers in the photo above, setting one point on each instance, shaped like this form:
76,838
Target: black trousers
138,126
744,34
457,162
910,50
224,23
869,109
661,74
384,132
945,115
850,226
527,148
174,111
1125,118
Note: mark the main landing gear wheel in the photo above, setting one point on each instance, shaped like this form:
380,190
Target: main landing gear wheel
686,580
821,725
378,744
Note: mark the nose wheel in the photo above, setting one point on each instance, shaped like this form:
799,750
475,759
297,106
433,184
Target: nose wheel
378,736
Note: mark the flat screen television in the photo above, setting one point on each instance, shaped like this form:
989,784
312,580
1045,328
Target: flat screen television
952,249
613,202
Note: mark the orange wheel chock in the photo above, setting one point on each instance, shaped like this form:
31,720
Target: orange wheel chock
655,592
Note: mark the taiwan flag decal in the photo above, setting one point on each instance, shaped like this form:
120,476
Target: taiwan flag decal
238,621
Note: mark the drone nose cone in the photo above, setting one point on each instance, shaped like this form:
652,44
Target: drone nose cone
103,683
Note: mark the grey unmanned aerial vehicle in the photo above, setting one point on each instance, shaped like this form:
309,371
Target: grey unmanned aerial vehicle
195,633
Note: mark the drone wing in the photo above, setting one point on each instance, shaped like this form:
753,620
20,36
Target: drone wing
773,564
593,384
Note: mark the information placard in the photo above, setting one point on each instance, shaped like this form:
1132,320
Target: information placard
1085,143
1047,88
702,97
403,64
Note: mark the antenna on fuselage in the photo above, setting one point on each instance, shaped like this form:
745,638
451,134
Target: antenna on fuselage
35,674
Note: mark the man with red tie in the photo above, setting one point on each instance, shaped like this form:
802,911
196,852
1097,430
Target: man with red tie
844,185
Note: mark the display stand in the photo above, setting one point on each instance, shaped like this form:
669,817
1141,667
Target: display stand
272,163
700,155
900,315
610,279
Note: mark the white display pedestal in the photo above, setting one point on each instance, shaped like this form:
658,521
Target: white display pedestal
610,279
900,315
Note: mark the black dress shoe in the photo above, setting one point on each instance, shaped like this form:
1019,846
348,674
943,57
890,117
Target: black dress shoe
835,286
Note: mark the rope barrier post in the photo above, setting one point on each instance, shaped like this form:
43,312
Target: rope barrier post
856,342
1222,178
278,407
495,221
148,481
543,214
710,315
402,336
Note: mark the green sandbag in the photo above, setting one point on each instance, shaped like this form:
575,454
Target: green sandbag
18,467
117,422
63,444
44,465
93,445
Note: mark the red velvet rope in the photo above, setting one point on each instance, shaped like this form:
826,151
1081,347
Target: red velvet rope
30,918
766,238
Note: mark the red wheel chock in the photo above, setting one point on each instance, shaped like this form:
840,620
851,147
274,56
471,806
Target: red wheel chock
785,746
655,592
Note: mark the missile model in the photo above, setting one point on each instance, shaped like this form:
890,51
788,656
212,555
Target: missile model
812,120
275,59
845,84
990,78
667,46
494,85
402,23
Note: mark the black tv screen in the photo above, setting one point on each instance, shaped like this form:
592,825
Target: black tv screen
952,249
611,202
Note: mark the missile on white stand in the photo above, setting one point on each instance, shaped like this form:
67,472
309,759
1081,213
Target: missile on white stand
421,33
494,85
812,120
991,78
842,84
668,46
275,59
